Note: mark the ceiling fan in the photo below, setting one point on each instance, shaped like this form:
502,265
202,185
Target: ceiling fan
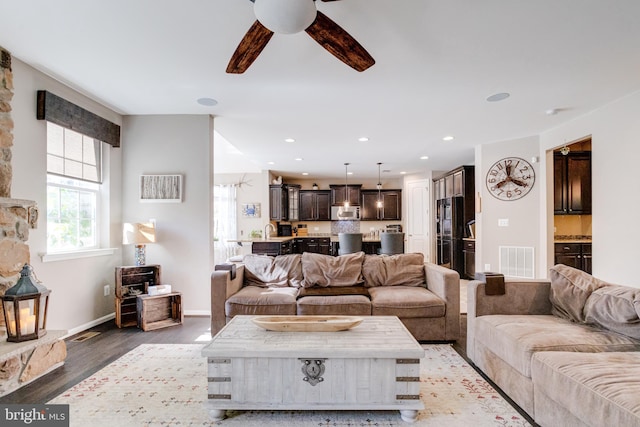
292,16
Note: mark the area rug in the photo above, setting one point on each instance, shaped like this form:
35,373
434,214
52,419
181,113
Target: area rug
165,385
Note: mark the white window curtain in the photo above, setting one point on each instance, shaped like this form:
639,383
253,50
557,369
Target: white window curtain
225,222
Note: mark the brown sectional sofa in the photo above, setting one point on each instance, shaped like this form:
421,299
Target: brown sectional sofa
566,350
425,297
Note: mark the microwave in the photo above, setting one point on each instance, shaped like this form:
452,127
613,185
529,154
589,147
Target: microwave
340,213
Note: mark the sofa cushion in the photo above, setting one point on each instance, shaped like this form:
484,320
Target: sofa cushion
515,338
343,305
600,389
283,270
262,300
326,270
318,291
394,270
570,289
612,307
405,302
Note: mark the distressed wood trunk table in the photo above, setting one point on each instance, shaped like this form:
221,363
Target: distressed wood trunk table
373,366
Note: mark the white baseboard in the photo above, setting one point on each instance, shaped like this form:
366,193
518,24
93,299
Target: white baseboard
89,325
197,313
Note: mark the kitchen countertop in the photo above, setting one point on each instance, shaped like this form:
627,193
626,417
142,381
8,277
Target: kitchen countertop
280,239
571,239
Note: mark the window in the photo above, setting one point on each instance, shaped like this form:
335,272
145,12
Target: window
74,166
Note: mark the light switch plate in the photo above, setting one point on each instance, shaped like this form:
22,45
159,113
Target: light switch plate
503,222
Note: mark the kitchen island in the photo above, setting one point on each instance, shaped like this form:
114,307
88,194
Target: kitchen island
322,243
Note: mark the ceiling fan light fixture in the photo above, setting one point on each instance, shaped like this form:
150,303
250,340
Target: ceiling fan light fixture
285,16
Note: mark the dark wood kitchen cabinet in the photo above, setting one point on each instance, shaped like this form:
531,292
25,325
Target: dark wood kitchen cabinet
576,255
271,248
340,193
391,209
284,202
572,183
469,254
315,205
318,245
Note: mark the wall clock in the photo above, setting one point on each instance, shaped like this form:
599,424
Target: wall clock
510,178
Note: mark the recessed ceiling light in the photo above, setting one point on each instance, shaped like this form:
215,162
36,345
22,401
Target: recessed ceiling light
299,159
448,138
498,97
305,173
424,157
207,102
271,163
363,139
349,173
289,140
403,173
551,112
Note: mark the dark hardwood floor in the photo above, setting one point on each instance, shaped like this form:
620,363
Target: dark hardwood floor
87,357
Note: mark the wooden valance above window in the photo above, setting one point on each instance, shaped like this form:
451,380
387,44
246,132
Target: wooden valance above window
54,109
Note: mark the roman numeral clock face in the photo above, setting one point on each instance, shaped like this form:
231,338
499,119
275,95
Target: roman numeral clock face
510,178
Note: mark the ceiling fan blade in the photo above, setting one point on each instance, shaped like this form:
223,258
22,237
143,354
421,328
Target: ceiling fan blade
341,45
249,48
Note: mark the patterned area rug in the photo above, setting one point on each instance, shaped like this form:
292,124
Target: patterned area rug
165,385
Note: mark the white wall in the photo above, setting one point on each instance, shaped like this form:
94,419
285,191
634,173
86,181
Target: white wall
76,285
615,132
175,144
524,227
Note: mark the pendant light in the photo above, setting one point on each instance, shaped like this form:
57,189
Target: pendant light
346,186
379,186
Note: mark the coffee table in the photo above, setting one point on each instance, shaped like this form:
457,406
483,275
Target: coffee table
373,366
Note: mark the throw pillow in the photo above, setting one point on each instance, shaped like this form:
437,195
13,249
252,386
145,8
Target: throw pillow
612,307
326,270
268,271
570,289
392,270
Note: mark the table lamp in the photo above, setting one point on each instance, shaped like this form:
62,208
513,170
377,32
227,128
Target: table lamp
139,234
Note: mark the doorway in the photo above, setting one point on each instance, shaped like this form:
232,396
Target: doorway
572,219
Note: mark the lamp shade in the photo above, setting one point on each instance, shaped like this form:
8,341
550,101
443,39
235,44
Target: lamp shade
285,16
138,233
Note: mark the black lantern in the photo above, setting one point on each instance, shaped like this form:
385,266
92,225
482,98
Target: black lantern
25,308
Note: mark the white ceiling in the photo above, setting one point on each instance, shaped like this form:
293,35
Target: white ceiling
436,63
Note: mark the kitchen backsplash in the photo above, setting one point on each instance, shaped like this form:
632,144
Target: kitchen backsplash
574,225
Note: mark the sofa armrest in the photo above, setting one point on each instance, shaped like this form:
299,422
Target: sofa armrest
445,283
222,287
521,296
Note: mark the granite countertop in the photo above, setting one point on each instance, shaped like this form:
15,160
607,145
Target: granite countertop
572,239
280,239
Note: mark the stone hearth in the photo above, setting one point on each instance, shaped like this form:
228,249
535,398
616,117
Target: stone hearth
20,363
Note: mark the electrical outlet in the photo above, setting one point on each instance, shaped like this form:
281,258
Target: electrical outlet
503,222
487,267
107,290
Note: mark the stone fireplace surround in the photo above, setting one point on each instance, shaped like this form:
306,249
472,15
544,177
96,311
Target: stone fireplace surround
20,363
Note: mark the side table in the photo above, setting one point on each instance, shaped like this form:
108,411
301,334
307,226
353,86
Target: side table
159,311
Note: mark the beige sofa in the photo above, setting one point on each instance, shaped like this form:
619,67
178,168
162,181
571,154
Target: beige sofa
566,350
425,297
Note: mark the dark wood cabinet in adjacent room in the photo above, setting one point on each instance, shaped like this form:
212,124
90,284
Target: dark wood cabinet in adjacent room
391,209
454,194
572,183
271,248
318,245
315,205
340,193
576,255
283,202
